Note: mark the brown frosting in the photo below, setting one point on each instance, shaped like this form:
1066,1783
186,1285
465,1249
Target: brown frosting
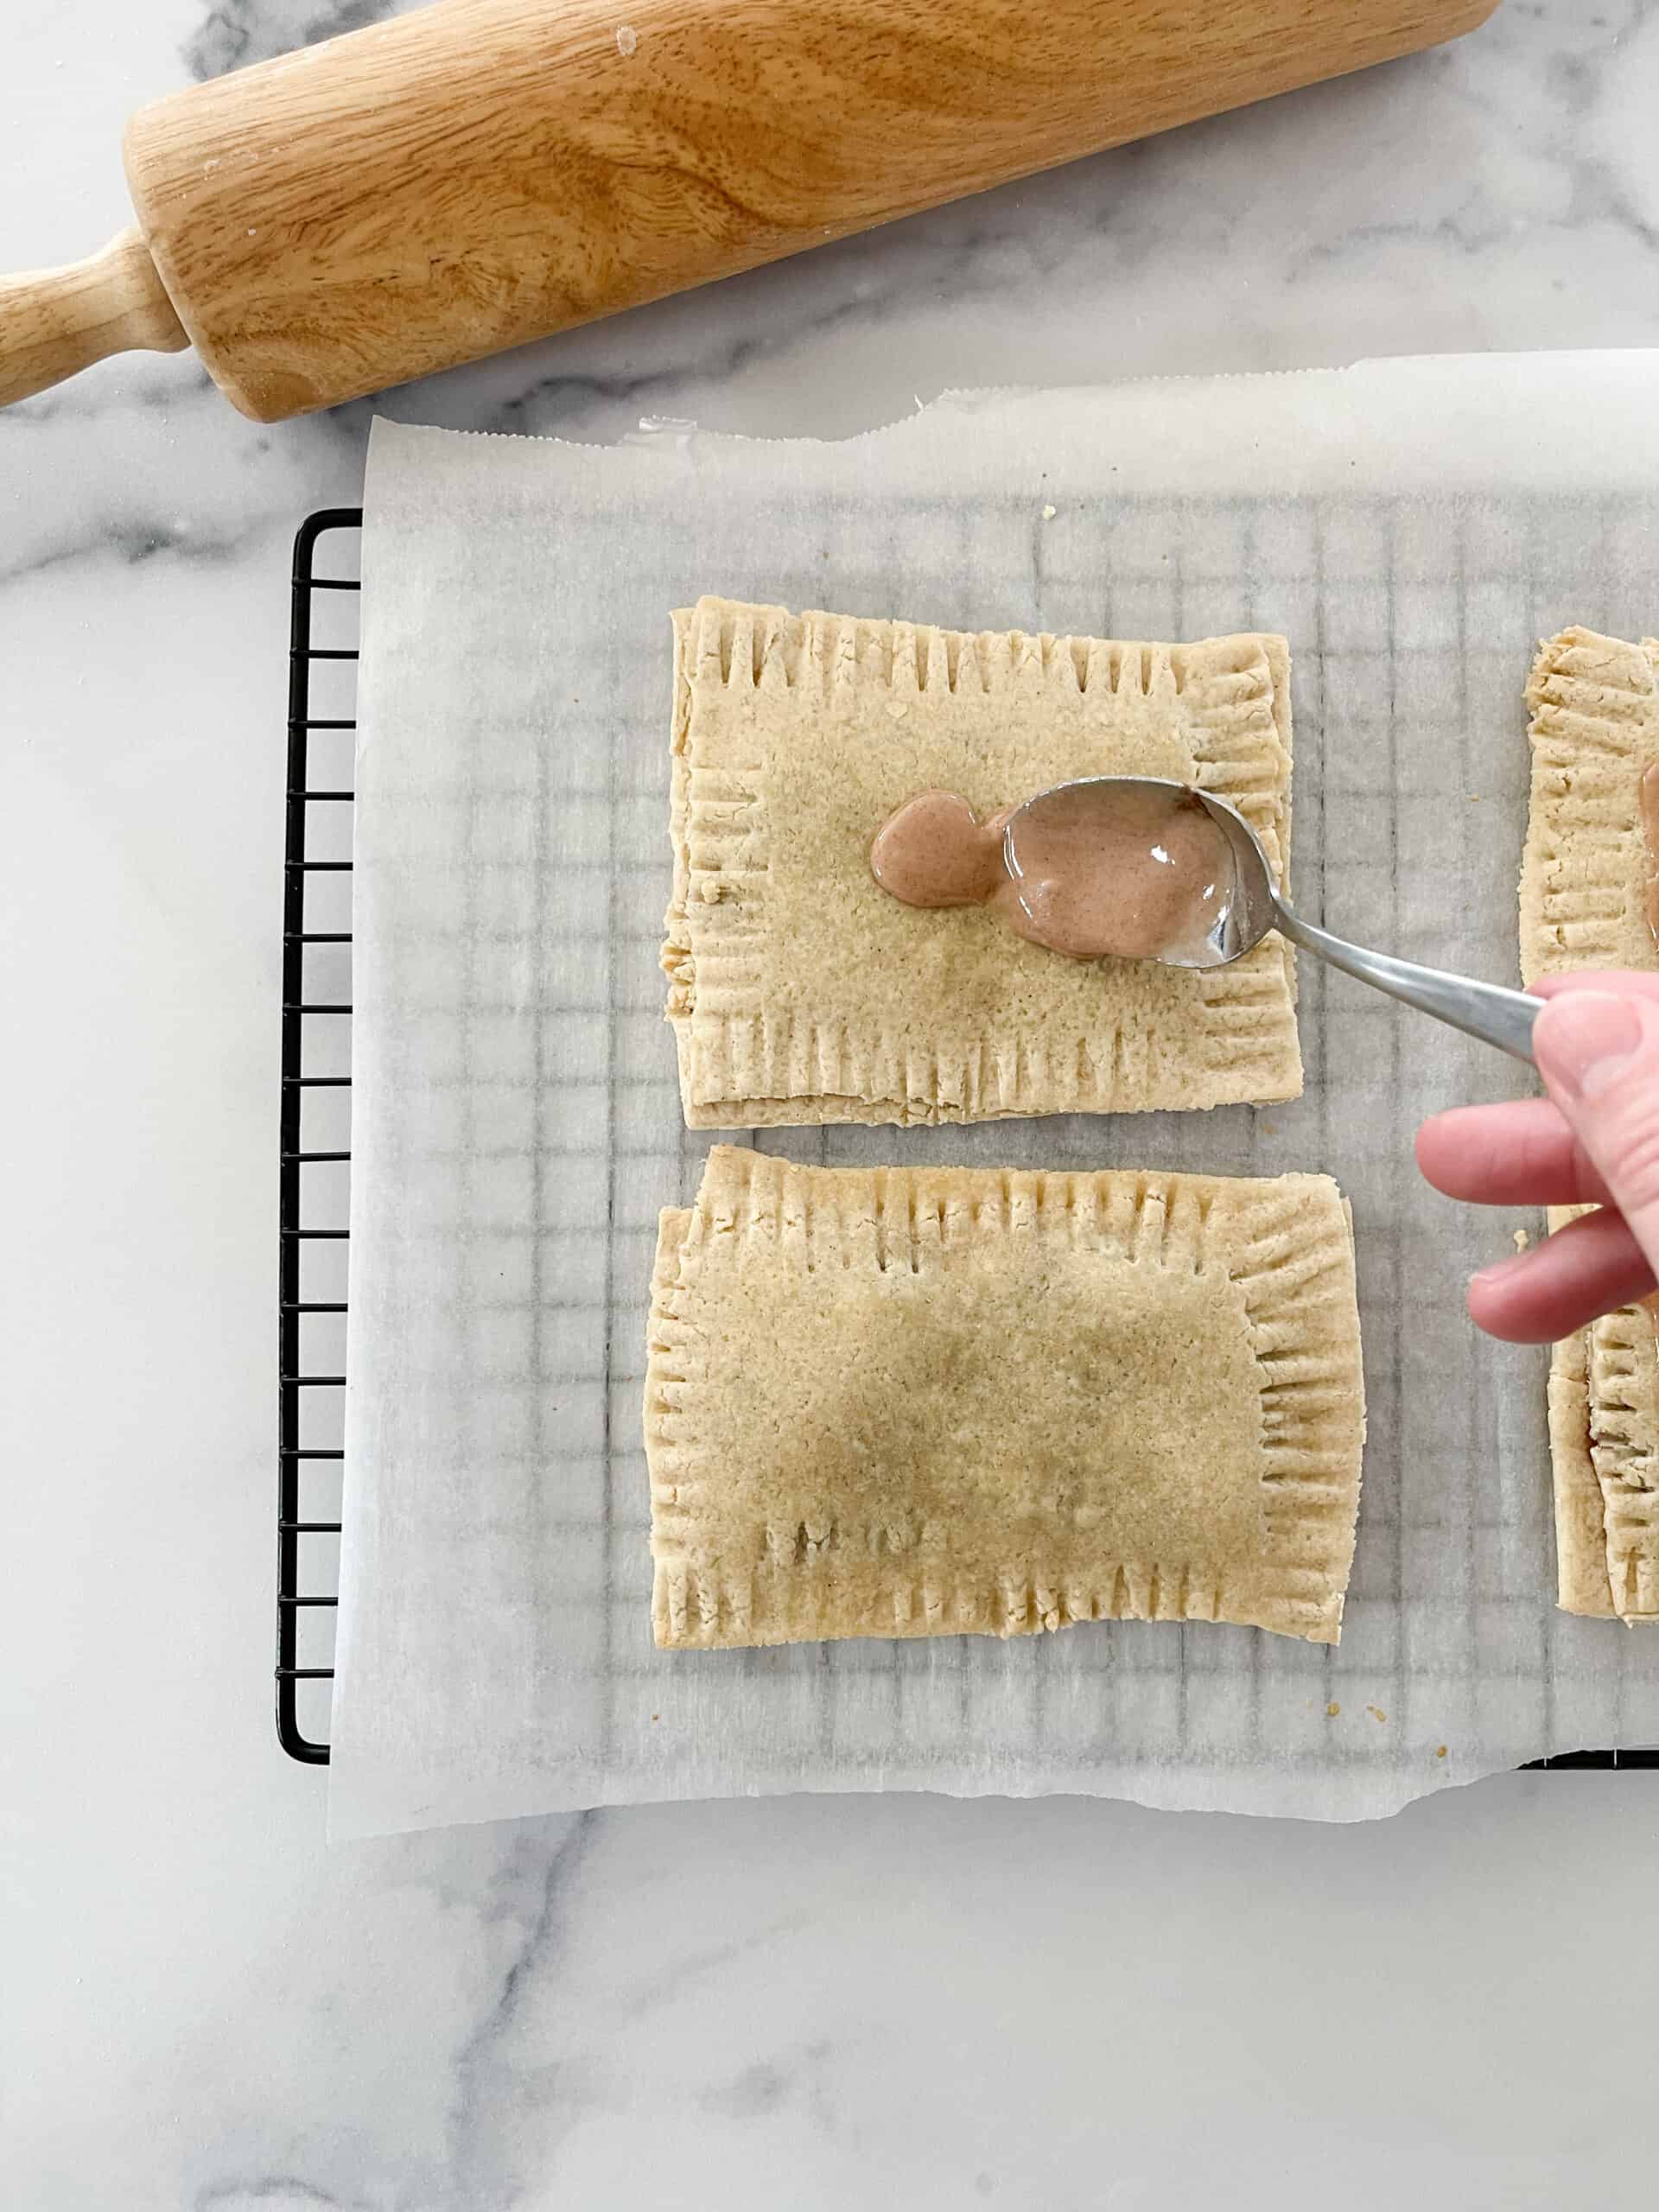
936,852
1139,873
1648,806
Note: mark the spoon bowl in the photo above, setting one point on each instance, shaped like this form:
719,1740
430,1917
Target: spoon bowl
1251,905
1248,905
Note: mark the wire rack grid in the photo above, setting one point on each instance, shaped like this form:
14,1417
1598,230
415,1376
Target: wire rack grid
316,934
315,1152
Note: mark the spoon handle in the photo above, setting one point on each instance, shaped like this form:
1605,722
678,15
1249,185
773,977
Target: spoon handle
1500,1017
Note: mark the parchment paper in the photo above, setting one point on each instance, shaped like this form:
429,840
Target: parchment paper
1413,527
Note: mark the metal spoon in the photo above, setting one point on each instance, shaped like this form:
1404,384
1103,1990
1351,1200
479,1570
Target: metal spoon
1501,1017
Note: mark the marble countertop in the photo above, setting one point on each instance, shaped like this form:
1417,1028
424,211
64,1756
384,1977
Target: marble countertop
811,2003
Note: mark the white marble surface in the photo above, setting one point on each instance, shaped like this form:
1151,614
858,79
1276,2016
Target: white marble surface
811,2003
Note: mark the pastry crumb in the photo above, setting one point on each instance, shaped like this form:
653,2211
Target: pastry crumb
1376,1712
1440,1751
1049,514
1522,1240
1332,1709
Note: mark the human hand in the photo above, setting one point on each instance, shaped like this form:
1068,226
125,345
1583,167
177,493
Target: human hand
1593,1141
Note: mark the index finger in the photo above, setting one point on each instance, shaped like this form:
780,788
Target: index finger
1519,1153
1626,982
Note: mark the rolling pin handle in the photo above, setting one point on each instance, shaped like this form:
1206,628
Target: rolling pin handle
56,322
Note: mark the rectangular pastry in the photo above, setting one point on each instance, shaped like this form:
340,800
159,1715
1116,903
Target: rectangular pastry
800,992
1587,887
929,1401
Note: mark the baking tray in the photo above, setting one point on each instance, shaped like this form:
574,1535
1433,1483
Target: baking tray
314,1146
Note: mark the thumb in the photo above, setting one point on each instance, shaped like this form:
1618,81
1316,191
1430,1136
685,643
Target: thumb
1598,1053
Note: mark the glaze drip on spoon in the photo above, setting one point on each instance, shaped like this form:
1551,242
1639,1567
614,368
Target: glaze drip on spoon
1094,870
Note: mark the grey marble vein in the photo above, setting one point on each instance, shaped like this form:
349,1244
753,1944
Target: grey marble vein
272,2193
238,32
483,2071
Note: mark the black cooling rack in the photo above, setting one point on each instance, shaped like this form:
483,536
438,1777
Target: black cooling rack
311,1403
316,934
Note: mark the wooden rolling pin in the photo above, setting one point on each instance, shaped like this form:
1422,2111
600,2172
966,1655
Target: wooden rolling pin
484,172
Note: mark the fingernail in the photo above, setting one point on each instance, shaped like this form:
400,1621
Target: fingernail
1586,1040
1499,1268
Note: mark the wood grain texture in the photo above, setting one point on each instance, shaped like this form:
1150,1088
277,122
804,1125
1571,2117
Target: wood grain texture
485,172
54,322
